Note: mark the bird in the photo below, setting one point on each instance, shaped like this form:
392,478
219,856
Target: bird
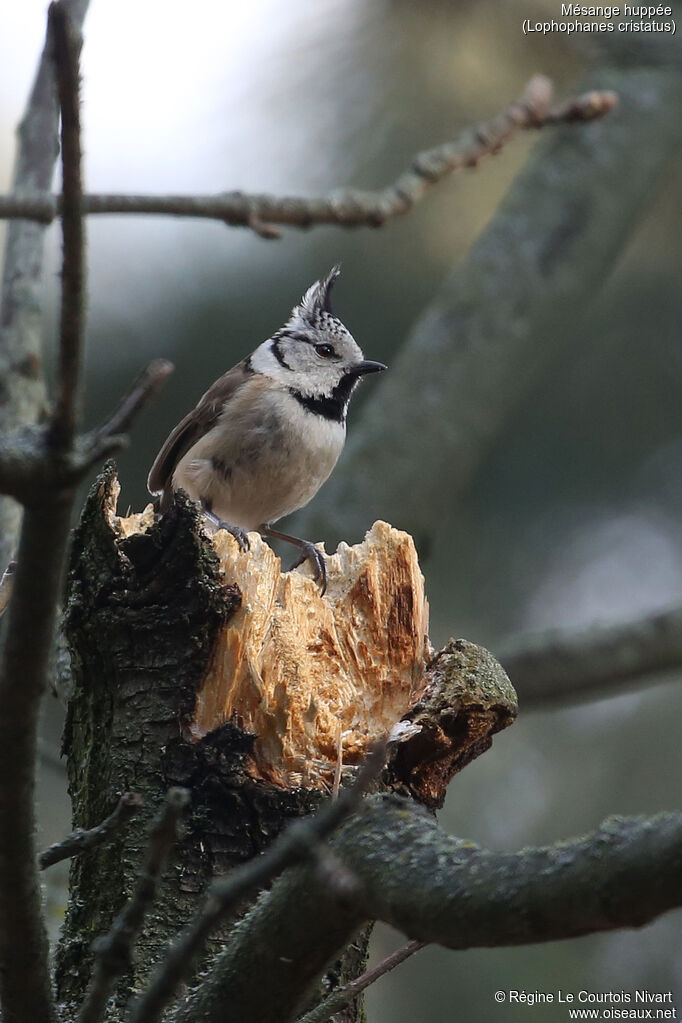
267,434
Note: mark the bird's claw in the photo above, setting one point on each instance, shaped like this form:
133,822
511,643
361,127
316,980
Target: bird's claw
240,535
319,563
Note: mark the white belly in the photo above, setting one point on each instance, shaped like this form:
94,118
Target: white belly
259,464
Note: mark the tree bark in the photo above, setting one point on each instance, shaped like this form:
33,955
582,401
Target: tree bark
152,609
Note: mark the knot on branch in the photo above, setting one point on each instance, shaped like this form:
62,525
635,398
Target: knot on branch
466,699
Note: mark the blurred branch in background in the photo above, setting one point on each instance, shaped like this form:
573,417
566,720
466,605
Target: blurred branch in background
40,466
573,667
25,983
66,50
502,317
114,951
350,207
22,387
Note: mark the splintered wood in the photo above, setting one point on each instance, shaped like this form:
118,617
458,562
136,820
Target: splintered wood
314,679
310,675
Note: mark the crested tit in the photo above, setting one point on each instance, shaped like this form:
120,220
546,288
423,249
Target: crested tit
267,434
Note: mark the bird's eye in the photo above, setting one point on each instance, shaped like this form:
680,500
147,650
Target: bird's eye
326,351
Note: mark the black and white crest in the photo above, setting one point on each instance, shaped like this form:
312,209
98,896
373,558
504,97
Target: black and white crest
314,356
317,299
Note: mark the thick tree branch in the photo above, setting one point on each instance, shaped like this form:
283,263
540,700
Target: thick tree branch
300,842
437,888
503,316
587,665
22,387
115,949
348,207
66,49
81,841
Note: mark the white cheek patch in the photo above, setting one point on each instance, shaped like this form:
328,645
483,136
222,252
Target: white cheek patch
264,361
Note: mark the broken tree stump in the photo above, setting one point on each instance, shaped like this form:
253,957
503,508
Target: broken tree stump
196,664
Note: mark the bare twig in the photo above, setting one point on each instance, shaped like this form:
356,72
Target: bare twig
340,998
81,841
587,107
66,51
572,667
6,584
152,378
298,843
344,207
113,951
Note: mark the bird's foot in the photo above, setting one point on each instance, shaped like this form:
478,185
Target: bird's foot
319,563
310,553
240,534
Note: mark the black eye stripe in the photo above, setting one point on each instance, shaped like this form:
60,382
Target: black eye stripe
296,336
325,350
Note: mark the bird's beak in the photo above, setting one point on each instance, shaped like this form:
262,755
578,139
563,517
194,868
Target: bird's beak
362,368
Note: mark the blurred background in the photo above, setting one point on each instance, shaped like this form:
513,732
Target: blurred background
574,518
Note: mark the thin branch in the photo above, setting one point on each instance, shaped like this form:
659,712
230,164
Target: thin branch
300,842
571,667
504,315
114,951
437,888
66,49
588,107
343,207
81,841
340,998
6,585
152,378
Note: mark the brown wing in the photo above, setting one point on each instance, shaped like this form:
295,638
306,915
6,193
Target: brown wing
197,423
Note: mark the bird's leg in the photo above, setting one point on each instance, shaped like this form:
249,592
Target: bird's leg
240,535
310,552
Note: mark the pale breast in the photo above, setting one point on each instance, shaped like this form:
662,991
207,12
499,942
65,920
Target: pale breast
265,458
